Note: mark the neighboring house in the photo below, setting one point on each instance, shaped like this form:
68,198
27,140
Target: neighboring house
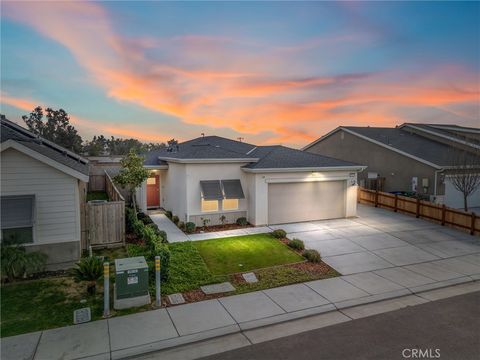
410,157
42,190
210,177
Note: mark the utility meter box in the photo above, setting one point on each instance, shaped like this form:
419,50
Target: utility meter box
131,277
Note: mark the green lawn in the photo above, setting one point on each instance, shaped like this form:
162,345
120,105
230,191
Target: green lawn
244,253
97,195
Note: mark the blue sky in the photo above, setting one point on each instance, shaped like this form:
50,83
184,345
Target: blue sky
271,72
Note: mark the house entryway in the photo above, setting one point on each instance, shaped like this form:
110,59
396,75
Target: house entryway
153,191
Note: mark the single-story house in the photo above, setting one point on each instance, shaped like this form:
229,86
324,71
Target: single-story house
42,189
410,157
213,177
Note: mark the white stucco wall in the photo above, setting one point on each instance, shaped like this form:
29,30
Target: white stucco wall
57,210
258,186
197,172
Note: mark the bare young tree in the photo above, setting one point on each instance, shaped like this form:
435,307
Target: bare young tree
465,174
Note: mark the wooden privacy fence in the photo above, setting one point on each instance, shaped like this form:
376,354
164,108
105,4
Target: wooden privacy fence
440,213
111,189
106,223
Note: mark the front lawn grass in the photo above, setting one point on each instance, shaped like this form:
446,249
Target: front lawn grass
244,253
43,304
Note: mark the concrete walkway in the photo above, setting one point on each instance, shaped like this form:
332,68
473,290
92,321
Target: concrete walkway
174,234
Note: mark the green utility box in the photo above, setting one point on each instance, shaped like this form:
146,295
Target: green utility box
131,279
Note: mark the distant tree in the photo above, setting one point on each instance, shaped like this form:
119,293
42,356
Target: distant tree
132,174
55,127
97,146
465,173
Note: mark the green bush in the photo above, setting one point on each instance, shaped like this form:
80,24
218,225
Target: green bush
242,221
190,227
141,216
158,232
163,235
279,234
16,262
181,225
145,218
296,244
130,218
138,228
168,214
312,256
175,219
89,269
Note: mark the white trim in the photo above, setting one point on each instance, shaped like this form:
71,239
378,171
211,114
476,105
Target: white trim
380,144
463,142
306,169
42,158
156,167
207,161
301,180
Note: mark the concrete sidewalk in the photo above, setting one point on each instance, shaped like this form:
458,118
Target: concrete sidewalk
145,332
174,234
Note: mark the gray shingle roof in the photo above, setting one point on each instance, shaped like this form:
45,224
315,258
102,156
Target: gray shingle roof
275,157
410,143
262,157
457,132
12,131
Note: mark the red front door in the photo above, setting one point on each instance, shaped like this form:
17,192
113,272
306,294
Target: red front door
153,191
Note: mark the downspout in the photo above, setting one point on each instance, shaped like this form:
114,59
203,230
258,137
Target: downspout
435,184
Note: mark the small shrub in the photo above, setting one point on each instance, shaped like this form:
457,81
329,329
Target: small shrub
242,221
175,219
163,235
296,244
168,214
181,225
16,262
279,234
190,227
205,222
138,228
147,220
223,219
141,216
130,218
312,256
89,269
154,227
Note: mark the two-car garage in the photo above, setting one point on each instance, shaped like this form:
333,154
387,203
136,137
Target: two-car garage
306,201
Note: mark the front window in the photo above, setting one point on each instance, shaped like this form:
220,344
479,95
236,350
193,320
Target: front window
17,215
209,205
230,204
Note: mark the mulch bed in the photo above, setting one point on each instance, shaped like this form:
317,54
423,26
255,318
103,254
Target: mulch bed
224,227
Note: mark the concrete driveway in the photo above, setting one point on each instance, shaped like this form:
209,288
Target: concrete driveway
380,240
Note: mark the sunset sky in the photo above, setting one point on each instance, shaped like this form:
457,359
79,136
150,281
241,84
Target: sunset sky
271,72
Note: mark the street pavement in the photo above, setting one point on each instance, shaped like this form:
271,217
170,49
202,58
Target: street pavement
446,329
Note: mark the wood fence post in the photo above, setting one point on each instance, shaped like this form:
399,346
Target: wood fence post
472,227
376,197
395,208
417,215
444,210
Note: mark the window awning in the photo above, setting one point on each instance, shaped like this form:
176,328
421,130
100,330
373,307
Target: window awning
233,189
17,211
211,190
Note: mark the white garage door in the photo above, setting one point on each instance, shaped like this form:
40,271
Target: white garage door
305,201
454,198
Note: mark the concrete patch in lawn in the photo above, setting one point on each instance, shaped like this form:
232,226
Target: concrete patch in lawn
200,316
176,299
295,297
250,277
251,306
356,262
336,289
217,288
